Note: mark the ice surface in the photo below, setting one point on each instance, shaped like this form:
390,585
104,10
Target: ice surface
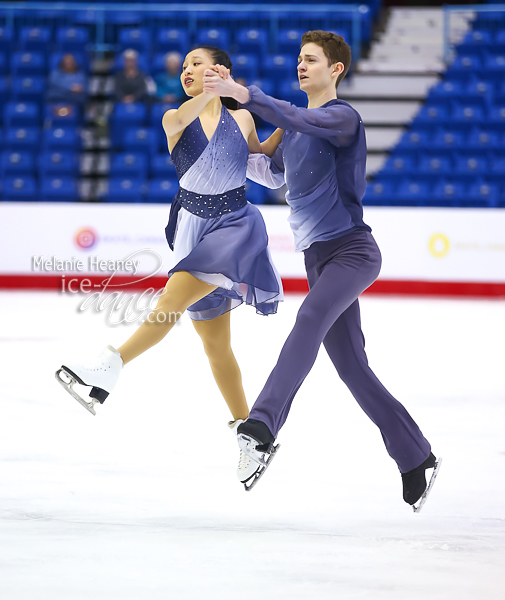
141,501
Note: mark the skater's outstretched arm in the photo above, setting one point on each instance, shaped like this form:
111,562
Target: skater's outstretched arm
336,123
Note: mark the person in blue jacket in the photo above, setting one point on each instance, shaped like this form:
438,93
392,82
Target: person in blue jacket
320,152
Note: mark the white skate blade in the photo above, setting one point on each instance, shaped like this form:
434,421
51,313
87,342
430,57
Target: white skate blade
69,387
248,445
420,503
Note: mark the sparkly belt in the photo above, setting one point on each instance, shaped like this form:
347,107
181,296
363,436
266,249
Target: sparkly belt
206,206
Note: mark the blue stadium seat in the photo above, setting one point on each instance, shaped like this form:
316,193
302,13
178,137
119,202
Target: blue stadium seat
28,63
446,142
6,39
124,116
72,39
379,193
499,97
252,40
434,167
16,163
213,37
478,93
61,138
21,114
141,139
447,194
496,118
482,195
162,190
411,193
430,116
245,66
35,39
398,166
464,116
136,38
291,92
157,112
496,173
494,65
469,168
4,92
464,67
52,163
266,85
482,141
475,42
4,66
280,66
445,92
61,115
289,40
129,165
171,39
162,167
158,63
19,188
499,41
28,89
60,188
413,141
123,189
22,138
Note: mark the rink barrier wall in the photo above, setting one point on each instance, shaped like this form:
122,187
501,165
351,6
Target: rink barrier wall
290,284
426,252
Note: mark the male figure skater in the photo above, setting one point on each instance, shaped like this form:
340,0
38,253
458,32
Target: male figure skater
322,157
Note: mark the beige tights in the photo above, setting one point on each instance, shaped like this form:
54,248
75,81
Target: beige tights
183,290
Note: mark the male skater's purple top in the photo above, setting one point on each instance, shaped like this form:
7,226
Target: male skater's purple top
323,157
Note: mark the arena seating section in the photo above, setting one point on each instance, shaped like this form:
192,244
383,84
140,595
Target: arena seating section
453,154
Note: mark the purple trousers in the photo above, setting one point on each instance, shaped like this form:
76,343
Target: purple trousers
338,272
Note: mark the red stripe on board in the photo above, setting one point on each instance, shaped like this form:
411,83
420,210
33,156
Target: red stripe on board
291,284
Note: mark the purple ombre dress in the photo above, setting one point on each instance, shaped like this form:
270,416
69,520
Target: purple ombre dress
217,235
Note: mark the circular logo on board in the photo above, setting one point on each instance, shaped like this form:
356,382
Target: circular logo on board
85,238
439,245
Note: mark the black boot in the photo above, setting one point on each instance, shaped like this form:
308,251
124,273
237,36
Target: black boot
259,431
414,482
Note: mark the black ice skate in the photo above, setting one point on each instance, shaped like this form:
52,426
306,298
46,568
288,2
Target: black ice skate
415,490
256,441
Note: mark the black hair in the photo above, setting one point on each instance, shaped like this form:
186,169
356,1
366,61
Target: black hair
220,57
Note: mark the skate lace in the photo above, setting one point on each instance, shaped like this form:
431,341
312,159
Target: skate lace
244,460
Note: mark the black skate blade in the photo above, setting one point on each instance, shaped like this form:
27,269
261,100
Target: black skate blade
262,468
417,507
68,386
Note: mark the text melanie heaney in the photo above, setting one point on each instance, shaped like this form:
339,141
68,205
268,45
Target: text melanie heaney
41,263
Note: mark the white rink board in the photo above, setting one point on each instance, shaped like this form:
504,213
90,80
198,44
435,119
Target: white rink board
416,244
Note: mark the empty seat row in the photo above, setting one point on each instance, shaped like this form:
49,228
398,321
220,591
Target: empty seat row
31,138
462,115
477,92
444,193
36,63
451,141
431,166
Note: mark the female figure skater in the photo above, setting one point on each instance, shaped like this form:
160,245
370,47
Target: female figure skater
221,244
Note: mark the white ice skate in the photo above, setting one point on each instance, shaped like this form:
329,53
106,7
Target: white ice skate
101,374
250,474
246,467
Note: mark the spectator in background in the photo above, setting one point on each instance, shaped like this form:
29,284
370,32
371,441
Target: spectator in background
168,84
131,84
67,83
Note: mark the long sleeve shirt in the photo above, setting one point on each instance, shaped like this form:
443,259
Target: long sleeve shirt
323,157
130,86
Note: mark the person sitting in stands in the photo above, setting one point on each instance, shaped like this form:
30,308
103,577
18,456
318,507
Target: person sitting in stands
131,84
67,83
168,84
